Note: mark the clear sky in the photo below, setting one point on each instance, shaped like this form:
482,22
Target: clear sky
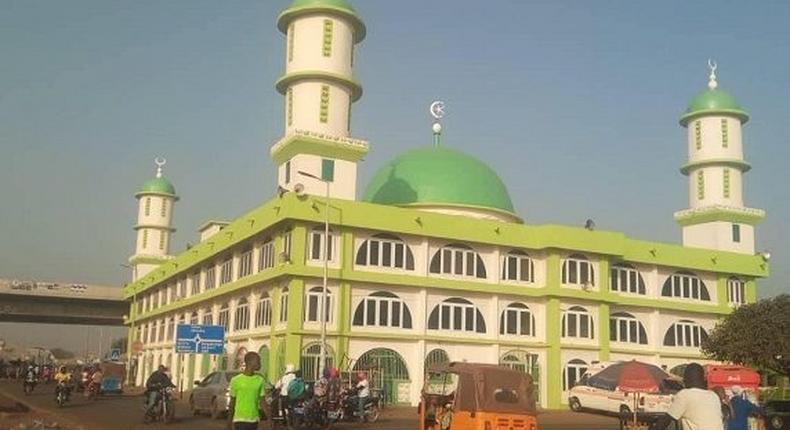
575,103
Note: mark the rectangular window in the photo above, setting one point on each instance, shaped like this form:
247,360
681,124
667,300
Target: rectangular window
327,170
161,240
736,233
291,36
211,278
726,183
327,45
245,264
348,119
289,107
698,134
284,306
288,172
226,271
147,206
266,257
195,283
700,185
324,111
164,208
725,138
145,239
287,244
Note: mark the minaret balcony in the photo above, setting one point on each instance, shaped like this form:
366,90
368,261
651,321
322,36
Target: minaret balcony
715,213
310,142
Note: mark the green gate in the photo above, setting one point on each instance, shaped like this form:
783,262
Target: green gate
524,362
311,360
388,374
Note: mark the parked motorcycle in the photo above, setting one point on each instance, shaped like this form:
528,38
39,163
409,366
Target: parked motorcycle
346,408
308,414
164,409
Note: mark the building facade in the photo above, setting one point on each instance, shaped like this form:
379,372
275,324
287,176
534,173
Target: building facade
433,264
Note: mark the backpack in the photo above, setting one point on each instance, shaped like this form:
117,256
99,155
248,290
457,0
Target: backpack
296,389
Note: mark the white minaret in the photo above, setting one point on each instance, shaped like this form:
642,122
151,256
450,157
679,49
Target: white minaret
717,217
156,201
319,90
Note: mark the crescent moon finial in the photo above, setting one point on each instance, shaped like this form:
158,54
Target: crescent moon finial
437,112
160,162
712,84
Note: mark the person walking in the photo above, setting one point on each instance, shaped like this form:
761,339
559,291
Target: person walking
696,407
742,408
246,391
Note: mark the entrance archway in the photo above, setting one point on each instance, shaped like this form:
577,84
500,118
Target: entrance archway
311,360
525,362
388,374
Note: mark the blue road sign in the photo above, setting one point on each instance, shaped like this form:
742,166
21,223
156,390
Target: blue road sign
200,339
115,354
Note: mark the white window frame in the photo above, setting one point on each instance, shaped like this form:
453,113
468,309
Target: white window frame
623,334
578,367
208,317
450,268
736,292
211,278
245,263
223,318
266,257
194,319
572,268
263,311
451,309
381,243
521,312
686,286
691,338
578,312
242,320
195,283
626,280
521,260
317,254
283,306
312,305
377,303
226,272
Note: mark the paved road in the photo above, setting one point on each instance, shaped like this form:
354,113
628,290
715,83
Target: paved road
125,413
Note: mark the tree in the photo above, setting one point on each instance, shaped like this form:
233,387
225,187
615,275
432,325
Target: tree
756,335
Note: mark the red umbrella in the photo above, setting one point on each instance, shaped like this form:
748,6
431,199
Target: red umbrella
631,377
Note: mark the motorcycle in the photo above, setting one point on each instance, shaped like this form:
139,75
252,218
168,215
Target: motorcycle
164,409
29,384
62,394
93,391
346,408
308,414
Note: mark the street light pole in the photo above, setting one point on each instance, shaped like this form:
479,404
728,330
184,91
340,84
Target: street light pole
325,292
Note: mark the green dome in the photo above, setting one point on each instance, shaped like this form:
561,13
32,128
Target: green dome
158,186
713,101
339,7
439,176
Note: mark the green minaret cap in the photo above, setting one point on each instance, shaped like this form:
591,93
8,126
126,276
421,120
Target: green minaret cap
337,7
158,185
713,101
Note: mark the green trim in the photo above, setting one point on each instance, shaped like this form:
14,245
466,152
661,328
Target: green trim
553,356
284,82
342,11
751,291
719,214
741,115
729,162
156,193
300,144
147,259
512,216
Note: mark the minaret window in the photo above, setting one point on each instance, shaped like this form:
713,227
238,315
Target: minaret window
161,240
726,183
291,35
208,317
147,206
287,244
145,239
324,111
698,134
327,45
725,138
164,208
348,119
328,170
700,185
736,233
288,172
289,108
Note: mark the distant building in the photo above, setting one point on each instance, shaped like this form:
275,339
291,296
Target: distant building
433,263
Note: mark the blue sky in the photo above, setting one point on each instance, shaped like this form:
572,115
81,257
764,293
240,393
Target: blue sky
574,103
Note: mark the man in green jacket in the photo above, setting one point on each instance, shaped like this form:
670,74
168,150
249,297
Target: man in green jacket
246,391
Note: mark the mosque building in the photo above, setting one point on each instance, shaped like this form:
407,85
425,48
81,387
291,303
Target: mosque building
433,263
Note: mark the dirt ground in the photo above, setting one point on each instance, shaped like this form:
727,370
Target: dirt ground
14,415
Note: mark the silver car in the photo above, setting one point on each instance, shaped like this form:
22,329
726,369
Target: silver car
211,394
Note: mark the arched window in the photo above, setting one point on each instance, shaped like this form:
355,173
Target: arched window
685,285
193,318
310,363
224,316
317,245
517,266
171,328
522,361
436,356
685,333
263,312
624,327
578,270
456,314
736,292
517,320
208,317
573,373
577,323
242,315
626,279
382,309
384,250
313,299
457,259
284,305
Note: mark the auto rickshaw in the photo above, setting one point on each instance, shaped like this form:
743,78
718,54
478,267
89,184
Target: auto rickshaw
472,396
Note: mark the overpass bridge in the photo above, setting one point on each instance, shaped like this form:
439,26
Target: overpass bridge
61,303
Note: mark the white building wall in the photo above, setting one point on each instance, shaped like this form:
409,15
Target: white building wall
718,235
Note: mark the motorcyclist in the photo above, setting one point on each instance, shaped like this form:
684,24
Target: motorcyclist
63,380
154,383
96,379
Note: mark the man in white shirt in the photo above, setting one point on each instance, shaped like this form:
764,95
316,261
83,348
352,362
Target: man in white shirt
282,385
363,393
695,406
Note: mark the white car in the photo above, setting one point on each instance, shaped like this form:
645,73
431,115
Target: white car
583,396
